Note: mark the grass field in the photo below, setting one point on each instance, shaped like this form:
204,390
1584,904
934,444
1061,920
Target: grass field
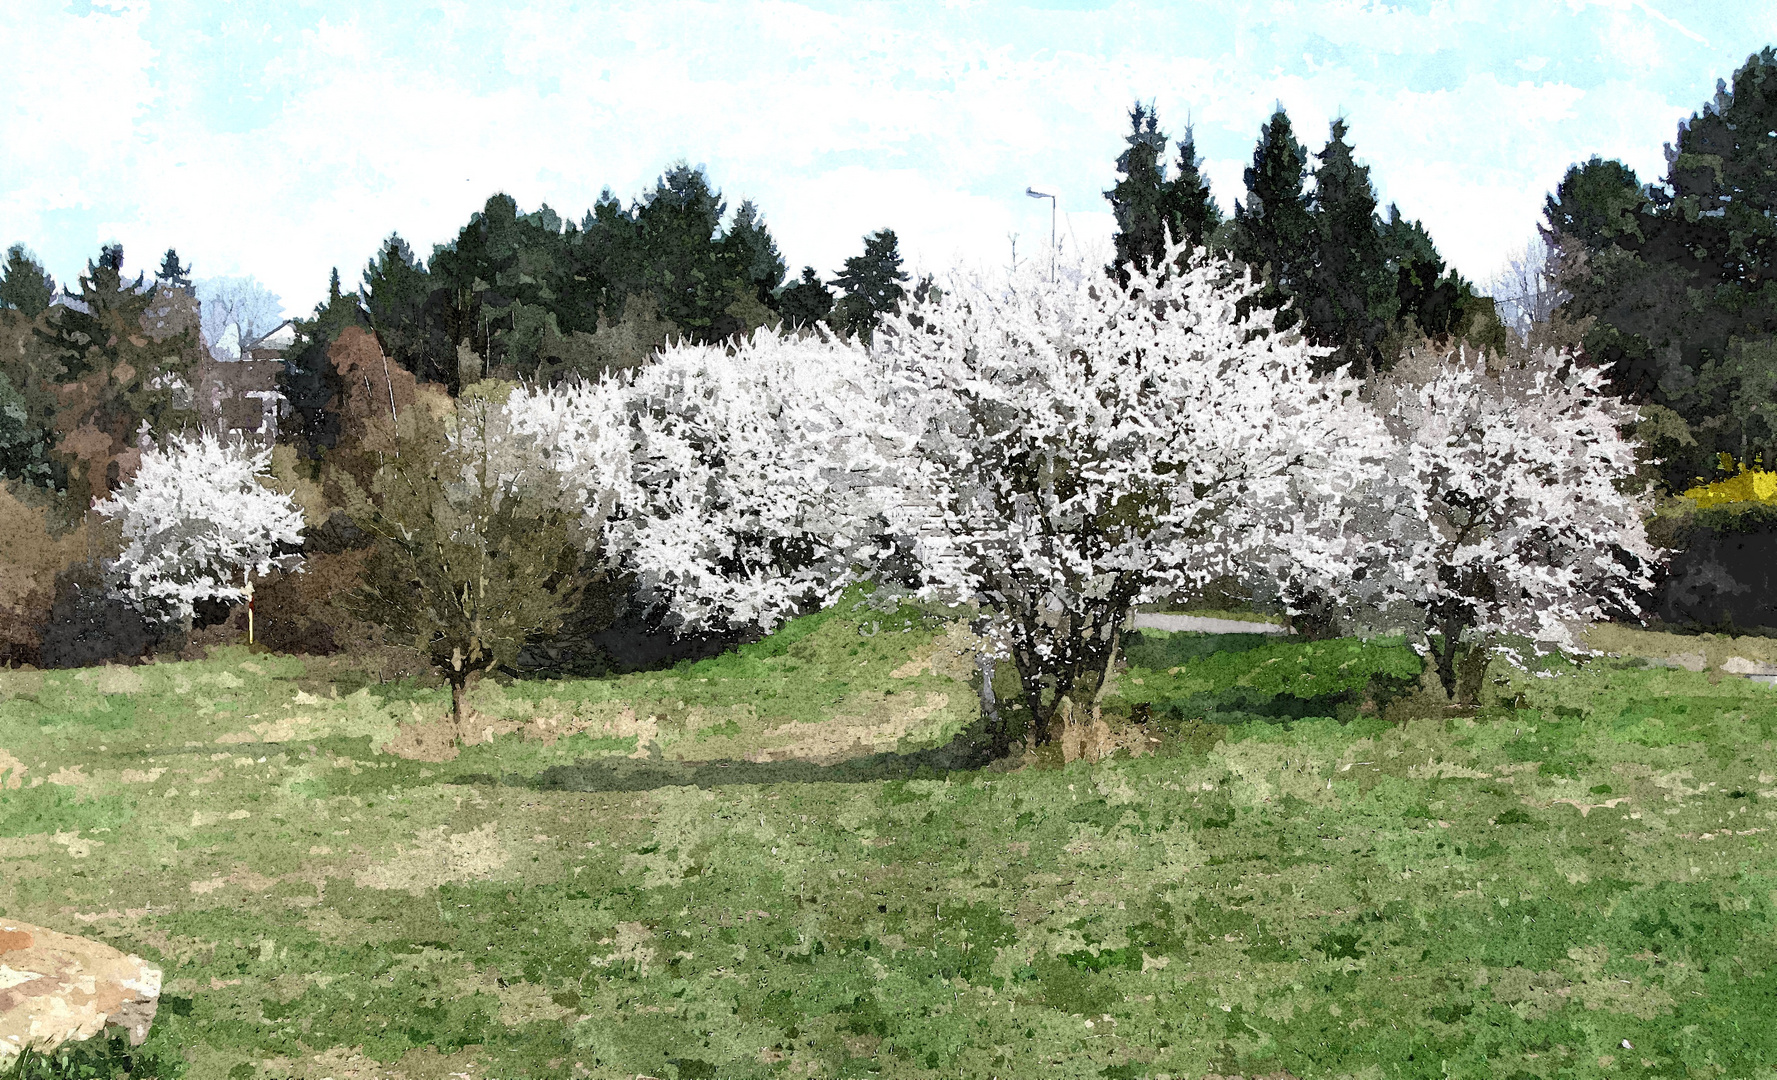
760,865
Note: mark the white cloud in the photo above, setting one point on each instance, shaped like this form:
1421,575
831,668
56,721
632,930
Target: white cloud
280,147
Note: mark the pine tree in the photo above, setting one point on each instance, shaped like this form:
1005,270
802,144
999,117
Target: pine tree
396,292
872,283
807,301
1274,230
752,255
1187,205
24,286
171,274
1594,204
678,224
496,293
1679,280
1138,201
309,382
1349,298
122,378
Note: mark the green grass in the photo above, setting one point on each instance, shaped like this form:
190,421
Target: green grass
1510,893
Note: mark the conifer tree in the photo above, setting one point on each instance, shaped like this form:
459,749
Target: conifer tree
1187,205
1424,293
872,283
309,382
1274,232
24,286
396,289
1139,199
171,274
1679,280
121,378
807,301
752,255
678,224
1349,297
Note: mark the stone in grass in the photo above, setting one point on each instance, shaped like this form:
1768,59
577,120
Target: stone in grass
56,987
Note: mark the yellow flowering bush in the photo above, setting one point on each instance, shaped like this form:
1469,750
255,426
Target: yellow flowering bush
1746,486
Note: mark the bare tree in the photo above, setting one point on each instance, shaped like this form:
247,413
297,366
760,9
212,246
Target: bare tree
237,314
1525,291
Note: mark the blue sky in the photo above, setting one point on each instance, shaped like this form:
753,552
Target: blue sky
280,138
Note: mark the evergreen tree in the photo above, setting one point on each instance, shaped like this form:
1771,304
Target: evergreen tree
24,286
395,291
1440,304
121,377
606,254
678,224
807,301
495,293
1349,297
1594,204
1187,205
171,274
309,382
1138,201
1680,280
1274,229
752,255
872,283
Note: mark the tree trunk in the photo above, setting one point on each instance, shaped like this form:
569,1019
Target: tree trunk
1471,671
459,707
1447,656
1001,742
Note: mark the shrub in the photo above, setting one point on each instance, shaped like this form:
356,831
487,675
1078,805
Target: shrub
89,625
32,553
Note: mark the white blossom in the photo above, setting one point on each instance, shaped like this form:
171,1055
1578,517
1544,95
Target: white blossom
1083,447
197,523
1502,512
739,483
583,431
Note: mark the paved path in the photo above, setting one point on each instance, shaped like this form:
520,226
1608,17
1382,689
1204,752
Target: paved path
1201,625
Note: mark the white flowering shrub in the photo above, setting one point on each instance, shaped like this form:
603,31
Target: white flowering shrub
583,431
756,480
1078,448
197,523
1503,513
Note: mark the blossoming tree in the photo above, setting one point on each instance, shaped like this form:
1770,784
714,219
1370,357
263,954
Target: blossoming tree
1504,512
197,524
757,485
1082,447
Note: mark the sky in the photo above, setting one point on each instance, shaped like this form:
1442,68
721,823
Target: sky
281,138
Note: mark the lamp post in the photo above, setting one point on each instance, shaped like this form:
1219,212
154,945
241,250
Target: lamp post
1035,194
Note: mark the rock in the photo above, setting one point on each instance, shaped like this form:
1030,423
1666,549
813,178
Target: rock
1740,665
56,987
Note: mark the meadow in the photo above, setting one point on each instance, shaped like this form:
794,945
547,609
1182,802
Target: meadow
792,860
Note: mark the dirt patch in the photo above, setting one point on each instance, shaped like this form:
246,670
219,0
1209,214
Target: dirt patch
425,740
288,729
439,739
438,857
829,742
611,721
951,656
12,770
113,679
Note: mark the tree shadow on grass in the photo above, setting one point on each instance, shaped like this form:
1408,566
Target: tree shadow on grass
972,749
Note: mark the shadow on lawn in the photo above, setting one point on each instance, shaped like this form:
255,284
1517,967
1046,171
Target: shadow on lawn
972,749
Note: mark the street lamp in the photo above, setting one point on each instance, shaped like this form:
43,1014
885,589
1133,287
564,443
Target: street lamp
1035,194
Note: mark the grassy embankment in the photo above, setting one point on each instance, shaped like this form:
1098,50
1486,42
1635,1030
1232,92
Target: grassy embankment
723,871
